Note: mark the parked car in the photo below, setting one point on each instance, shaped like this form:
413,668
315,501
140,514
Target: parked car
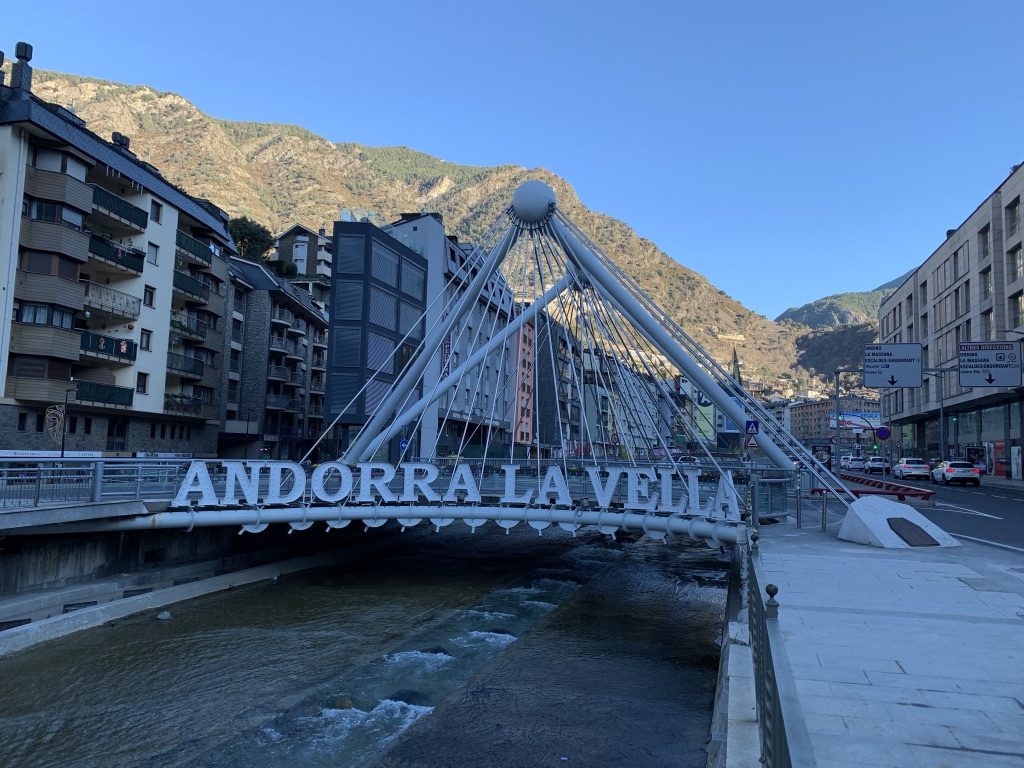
876,464
907,468
844,461
956,471
691,461
855,462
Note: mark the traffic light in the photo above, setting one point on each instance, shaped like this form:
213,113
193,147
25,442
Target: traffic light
874,446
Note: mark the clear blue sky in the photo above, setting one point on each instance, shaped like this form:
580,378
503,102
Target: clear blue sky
786,150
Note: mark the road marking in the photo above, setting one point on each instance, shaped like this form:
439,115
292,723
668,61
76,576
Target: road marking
965,510
990,543
999,497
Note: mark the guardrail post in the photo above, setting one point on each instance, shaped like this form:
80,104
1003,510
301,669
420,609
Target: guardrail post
799,504
755,514
39,483
824,511
97,481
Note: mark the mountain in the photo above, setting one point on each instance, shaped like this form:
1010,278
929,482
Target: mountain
283,174
842,309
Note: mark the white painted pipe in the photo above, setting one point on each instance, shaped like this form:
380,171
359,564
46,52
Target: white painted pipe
715,531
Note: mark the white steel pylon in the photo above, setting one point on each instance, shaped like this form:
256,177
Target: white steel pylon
612,398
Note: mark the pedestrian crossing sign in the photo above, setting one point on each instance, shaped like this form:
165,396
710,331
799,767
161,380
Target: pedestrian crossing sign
750,442
753,427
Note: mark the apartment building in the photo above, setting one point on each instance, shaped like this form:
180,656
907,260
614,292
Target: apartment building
812,421
277,368
304,258
386,282
114,297
971,288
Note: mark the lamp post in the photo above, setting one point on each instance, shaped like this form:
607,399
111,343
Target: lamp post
941,373
64,417
248,421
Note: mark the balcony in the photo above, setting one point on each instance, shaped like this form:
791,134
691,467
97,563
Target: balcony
319,339
53,237
125,258
318,362
186,367
282,316
29,339
283,402
192,250
108,347
190,287
189,326
111,302
281,344
107,394
119,210
185,404
279,372
316,386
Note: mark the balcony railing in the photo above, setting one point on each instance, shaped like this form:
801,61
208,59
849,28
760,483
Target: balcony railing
279,372
316,386
189,325
188,284
183,404
282,344
320,338
129,258
283,401
123,349
284,316
318,361
183,364
112,301
93,392
120,207
193,247
235,366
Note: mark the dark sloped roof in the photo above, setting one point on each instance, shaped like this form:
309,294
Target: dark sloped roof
262,279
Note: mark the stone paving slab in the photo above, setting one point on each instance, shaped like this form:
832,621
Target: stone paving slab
902,657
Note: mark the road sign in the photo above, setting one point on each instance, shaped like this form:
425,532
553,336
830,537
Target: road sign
892,365
750,442
883,433
403,445
615,439
753,427
989,364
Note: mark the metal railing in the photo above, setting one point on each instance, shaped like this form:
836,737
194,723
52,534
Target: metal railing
124,349
130,258
282,344
186,323
184,364
111,300
785,742
188,284
191,246
120,207
94,392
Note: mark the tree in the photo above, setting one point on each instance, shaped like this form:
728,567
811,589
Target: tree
251,237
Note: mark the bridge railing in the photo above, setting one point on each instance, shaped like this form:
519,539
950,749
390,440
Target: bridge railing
785,742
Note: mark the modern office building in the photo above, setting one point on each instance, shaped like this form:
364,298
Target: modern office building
113,299
276,353
386,282
971,288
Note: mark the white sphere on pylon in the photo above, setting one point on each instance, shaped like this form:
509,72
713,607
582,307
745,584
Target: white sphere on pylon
532,201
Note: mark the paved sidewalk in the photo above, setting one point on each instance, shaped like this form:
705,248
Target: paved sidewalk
902,657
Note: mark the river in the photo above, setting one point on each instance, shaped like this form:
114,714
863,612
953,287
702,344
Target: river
448,649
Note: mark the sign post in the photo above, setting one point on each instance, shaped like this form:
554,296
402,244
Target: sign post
892,365
990,364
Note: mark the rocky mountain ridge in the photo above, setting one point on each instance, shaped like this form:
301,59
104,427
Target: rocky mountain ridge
284,174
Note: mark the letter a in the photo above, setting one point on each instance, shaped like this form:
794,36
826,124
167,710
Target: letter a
197,480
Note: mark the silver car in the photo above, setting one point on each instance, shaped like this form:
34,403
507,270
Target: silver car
908,468
956,471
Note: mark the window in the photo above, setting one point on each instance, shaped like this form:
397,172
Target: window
1012,218
986,283
985,242
88,425
148,295
1016,308
163,431
152,252
156,210
987,327
40,419
22,422
152,430
142,383
146,340
72,425
1014,265
43,314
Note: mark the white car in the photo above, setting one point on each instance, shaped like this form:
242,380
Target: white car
908,468
855,462
876,464
956,471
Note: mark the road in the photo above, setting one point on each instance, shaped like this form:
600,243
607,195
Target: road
990,513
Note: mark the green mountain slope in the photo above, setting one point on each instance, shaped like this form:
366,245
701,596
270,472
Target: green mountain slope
842,309
284,174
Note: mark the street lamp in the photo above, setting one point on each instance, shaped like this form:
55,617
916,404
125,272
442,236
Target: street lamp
64,425
941,373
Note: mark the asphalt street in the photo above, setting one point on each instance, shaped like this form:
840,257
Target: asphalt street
990,513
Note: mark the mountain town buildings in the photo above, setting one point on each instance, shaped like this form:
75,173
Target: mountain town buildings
971,288
114,291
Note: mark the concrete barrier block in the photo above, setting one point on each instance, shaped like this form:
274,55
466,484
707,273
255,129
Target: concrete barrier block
868,522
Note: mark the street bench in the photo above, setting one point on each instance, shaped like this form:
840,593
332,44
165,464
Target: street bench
902,494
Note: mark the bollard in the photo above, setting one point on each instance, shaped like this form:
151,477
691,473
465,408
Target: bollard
97,481
824,512
771,607
799,504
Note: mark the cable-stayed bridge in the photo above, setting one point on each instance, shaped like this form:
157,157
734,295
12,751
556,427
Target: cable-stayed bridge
540,385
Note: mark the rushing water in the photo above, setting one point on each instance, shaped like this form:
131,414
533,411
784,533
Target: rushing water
500,650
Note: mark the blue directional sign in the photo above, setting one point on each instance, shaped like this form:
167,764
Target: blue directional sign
404,444
753,427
